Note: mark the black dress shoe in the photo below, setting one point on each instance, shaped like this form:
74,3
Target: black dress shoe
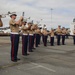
14,60
58,44
33,48
26,54
63,44
37,46
31,51
18,58
52,45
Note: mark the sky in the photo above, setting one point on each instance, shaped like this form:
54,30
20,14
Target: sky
62,13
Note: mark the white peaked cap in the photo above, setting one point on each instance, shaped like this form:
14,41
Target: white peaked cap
29,21
24,20
35,22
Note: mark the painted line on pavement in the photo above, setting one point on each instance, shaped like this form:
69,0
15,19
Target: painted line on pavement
49,69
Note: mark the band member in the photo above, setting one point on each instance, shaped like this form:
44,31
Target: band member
14,27
52,37
45,35
30,36
38,34
63,35
58,32
33,28
24,38
1,23
74,36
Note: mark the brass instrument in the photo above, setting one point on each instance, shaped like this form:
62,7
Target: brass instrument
1,23
3,16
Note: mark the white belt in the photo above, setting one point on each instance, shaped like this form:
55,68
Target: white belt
14,33
25,34
31,34
63,34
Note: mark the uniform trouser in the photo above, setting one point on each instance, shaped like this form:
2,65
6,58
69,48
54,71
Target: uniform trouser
30,43
74,40
14,46
63,39
52,41
39,37
45,40
58,39
67,36
33,41
37,40
24,44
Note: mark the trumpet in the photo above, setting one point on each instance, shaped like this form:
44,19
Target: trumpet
3,16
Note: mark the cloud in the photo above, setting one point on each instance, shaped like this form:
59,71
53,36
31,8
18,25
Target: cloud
63,10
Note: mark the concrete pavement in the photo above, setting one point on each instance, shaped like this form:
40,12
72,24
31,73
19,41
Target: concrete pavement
50,60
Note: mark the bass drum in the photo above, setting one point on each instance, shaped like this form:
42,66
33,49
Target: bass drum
1,23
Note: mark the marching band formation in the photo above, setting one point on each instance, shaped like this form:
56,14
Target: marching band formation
31,36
